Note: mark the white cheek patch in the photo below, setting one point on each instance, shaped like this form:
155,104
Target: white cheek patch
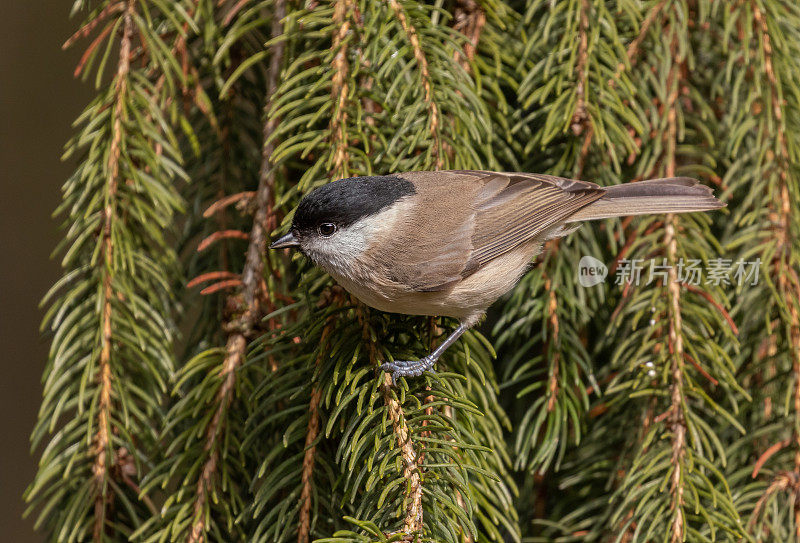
341,253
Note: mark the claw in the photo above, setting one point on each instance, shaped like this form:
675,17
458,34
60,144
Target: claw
408,368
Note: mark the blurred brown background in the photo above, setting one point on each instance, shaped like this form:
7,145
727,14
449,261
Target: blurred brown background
38,102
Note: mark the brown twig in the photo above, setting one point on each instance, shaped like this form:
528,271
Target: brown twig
248,296
413,518
413,521
676,351
222,234
780,208
89,27
425,77
469,19
221,285
92,46
766,455
712,301
210,276
233,11
224,202
339,90
304,517
552,337
783,481
309,456
101,440
699,368
633,47
579,118
581,121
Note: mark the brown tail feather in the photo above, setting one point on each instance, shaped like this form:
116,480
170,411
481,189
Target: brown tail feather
671,195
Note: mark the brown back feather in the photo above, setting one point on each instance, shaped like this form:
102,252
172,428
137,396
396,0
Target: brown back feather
508,209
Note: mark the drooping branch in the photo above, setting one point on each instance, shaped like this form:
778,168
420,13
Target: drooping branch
332,298
633,48
304,524
581,122
339,90
427,84
413,520
338,137
552,337
675,337
104,371
780,212
248,296
579,118
309,456
469,20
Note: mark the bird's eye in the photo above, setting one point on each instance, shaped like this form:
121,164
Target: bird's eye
326,229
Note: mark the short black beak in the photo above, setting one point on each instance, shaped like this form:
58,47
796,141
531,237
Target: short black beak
287,240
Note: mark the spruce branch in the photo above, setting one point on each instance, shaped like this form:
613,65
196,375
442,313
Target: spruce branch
101,438
233,359
309,456
552,336
771,349
112,313
581,124
677,449
425,79
339,89
413,519
653,17
783,267
675,334
249,294
469,19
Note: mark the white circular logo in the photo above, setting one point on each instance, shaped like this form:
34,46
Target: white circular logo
591,271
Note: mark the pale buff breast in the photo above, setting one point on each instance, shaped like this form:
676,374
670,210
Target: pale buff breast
466,300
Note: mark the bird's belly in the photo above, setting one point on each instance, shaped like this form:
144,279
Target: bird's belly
466,300
395,299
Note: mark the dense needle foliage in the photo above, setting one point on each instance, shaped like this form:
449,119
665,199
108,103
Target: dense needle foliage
202,388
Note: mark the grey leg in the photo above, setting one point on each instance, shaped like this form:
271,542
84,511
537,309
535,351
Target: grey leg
414,368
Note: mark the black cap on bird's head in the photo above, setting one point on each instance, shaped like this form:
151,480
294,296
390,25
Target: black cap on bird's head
339,204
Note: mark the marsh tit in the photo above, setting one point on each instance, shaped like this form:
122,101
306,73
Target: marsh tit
450,243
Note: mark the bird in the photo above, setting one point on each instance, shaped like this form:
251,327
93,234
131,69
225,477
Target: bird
451,242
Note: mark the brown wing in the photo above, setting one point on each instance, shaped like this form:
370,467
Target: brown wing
508,209
525,208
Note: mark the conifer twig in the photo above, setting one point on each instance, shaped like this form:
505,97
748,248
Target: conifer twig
413,518
469,20
248,296
781,212
312,430
104,374
304,517
221,234
676,350
581,121
339,89
633,47
425,76
225,201
552,337
579,118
